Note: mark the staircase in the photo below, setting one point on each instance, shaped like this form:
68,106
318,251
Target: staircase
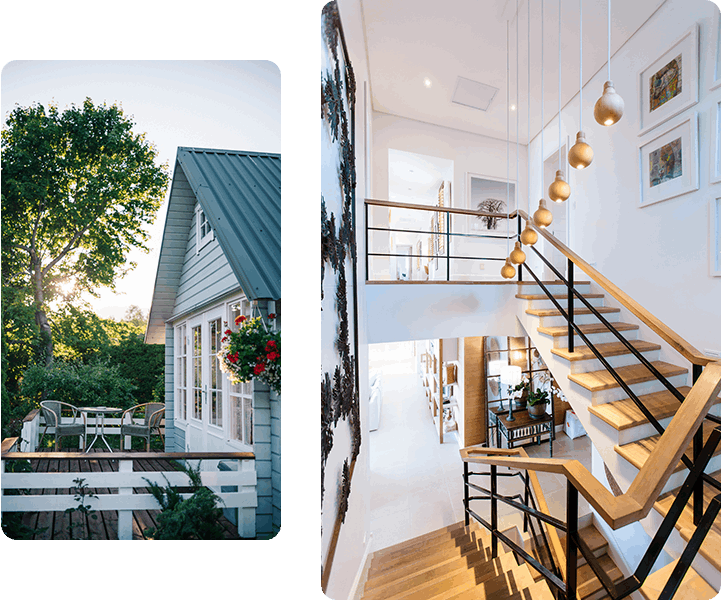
619,430
450,563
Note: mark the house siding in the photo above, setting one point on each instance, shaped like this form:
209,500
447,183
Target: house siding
170,429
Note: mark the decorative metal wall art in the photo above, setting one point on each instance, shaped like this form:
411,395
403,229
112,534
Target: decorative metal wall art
340,407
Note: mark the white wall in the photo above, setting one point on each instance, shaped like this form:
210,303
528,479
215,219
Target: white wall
657,254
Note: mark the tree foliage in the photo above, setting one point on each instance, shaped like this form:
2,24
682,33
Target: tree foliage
78,189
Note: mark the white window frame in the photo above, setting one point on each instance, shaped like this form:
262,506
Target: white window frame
245,398
202,239
181,357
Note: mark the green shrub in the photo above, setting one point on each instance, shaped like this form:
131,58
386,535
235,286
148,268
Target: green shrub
81,385
141,363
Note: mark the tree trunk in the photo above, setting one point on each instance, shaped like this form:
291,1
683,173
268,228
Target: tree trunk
41,318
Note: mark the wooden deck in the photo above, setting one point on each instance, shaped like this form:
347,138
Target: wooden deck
97,525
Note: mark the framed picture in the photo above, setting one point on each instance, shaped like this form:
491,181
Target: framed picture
668,164
669,85
490,195
715,143
714,233
716,39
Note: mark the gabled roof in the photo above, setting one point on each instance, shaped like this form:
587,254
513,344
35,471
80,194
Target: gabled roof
240,195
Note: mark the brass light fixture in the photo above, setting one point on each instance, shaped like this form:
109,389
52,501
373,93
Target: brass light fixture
542,217
559,190
508,271
517,255
609,107
529,236
580,155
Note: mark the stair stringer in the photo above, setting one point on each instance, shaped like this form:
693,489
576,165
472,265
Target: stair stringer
629,543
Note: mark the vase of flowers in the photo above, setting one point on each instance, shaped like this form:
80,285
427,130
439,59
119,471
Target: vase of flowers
536,400
251,352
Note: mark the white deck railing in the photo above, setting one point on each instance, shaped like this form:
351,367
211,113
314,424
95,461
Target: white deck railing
121,497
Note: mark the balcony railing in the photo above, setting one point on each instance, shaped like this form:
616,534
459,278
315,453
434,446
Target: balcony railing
448,245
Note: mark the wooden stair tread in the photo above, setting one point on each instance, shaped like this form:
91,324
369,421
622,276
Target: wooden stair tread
692,586
711,547
588,328
624,413
501,586
588,583
553,283
557,296
630,374
637,452
577,311
446,533
607,349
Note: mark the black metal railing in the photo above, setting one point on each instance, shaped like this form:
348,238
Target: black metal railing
448,235
575,544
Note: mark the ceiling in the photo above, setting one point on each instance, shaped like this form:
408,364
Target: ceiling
408,41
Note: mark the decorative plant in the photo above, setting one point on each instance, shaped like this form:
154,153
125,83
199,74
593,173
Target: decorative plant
490,205
542,394
251,352
81,492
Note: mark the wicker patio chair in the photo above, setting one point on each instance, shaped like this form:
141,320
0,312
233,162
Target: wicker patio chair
52,412
153,414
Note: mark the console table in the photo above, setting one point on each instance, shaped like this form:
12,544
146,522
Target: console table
524,427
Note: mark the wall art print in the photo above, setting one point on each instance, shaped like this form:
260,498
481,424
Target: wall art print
669,85
665,84
340,408
668,164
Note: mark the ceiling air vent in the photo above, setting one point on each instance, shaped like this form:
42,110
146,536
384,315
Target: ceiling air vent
473,94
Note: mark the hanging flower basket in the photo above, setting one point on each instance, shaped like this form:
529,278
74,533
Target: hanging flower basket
251,352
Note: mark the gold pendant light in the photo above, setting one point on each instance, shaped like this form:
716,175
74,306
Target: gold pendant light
542,217
508,271
580,155
559,190
609,107
517,254
529,236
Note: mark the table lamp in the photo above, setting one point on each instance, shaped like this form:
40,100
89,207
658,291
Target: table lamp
510,376
495,368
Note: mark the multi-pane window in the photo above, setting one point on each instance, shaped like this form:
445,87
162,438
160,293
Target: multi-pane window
181,375
241,395
197,358
204,231
216,379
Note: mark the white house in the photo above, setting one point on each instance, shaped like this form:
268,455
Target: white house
220,258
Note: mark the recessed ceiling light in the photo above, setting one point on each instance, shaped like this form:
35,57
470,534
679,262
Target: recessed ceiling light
513,107
427,82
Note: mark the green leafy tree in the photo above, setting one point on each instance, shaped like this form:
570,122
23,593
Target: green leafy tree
78,189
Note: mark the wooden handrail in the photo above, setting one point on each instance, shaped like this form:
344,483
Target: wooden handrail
432,209
646,487
682,346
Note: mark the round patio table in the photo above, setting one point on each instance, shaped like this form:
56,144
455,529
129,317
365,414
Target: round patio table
100,413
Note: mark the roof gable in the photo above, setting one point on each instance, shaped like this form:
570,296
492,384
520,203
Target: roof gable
240,195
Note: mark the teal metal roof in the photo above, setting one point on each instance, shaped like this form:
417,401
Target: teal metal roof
239,193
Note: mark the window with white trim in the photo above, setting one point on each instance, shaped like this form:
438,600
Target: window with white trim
203,231
241,395
181,372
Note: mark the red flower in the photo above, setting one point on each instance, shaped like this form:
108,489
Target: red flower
270,345
233,358
240,319
271,315
259,368
272,356
228,332
224,338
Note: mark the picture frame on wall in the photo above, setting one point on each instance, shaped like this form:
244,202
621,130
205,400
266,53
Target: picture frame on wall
716,38
714,233
494,195
669,85
715,146
668,164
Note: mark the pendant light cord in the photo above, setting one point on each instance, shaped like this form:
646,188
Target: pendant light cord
559,85
508,130
518,111
609,40
528,154
580,65
542,103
